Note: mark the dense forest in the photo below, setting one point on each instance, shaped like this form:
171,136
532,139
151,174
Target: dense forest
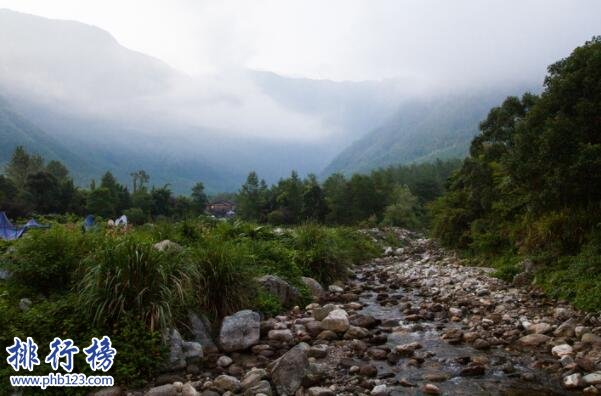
393,196
531,186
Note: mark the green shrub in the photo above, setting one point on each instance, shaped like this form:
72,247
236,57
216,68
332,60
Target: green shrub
135,216
319,252
127,276
507,266
45,260
139,351
403,210
575,278
267,303
275,258
225,275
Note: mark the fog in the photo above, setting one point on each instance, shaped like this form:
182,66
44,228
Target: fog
202,75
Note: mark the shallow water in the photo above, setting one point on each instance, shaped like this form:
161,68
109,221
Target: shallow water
445,356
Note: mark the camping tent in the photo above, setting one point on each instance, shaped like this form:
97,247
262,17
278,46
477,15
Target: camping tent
8,231
89,223
34,224
121,221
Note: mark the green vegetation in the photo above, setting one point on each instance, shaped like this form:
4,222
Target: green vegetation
395,196
531,186
115,282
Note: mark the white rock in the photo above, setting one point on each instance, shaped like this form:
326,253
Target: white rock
561,350
335,289
336,321
572,381
379,390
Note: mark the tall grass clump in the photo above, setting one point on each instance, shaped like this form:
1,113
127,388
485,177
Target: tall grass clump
224,271
127,277
326,254
44,260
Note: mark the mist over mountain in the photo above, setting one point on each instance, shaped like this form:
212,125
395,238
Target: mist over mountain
122,110
424,130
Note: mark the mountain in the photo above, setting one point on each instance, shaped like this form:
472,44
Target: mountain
123,111
423,130
17,131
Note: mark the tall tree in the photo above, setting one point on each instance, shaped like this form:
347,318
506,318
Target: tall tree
17,168
248,198
199,198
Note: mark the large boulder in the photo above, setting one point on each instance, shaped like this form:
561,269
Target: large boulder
288,371
177,357
534,339
240,331
167,245
314,287
199,327
287,294
336,321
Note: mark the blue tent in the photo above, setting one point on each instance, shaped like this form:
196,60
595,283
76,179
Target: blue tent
8,231
89,223
34,224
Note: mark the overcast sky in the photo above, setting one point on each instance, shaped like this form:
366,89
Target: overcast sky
430,41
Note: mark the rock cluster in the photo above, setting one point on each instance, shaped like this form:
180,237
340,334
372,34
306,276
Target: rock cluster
409,322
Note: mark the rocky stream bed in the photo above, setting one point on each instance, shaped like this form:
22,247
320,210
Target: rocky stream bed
412,322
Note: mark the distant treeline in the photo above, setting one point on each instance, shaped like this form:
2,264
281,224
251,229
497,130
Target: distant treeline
394,196
30,185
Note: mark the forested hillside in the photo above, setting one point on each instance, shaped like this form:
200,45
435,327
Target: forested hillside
421,131
17,131
531,187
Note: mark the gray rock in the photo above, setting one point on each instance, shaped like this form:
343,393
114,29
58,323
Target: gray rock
288,371
590,338
189,390
379,390
355,332
539,328
314,287
112,391
528,266
4,274
177,358
163,390
320,391
286,294
592,378
522,279
25,304
192,350
226,383
321,312
336,321
566,329
261,388
284,335
240,331
200,328
224,361
167,245
533,339
253,377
